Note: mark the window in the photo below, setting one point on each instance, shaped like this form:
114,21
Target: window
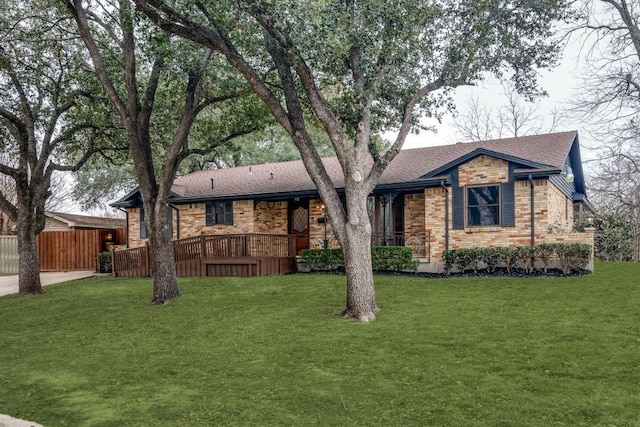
483,205
219,213
489,205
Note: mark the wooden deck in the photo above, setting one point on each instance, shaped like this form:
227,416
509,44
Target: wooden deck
240,255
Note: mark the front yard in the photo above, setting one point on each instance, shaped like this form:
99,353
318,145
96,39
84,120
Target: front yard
270,351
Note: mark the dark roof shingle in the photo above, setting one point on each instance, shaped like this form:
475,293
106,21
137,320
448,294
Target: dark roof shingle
549,150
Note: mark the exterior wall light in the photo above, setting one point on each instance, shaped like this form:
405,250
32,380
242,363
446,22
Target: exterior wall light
568,175
590,219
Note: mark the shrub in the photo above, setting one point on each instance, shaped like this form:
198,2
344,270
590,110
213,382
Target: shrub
491,257
323,259
523,256
393,258
104,262
573,256
509,257
544,253
449,258
384,258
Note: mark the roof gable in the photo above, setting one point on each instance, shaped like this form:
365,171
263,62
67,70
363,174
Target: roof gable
518,162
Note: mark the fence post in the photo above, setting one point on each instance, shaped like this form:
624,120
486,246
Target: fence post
112,249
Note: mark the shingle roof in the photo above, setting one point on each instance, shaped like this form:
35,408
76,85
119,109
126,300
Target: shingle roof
85,221
549,151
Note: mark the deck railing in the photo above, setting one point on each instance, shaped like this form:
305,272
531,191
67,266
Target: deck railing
200,249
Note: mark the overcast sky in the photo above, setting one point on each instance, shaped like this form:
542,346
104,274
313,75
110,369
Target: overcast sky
561,84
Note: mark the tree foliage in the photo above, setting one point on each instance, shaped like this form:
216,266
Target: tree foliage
361,68
610,98
50,120
159,86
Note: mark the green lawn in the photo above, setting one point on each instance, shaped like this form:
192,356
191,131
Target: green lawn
271,351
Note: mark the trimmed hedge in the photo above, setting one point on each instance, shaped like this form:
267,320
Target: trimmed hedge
384,258
573,258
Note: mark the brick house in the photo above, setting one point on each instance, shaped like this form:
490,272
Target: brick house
506,192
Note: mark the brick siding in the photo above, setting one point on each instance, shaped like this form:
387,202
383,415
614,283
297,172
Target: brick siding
424,216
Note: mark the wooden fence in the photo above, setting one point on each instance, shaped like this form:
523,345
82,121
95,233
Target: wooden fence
8,255
242,255
72,249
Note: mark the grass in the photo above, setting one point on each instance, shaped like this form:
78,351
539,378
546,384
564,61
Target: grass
271,351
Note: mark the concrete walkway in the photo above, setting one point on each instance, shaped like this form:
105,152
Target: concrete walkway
9,284
7,421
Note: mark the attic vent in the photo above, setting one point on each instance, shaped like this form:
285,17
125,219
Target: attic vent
212,180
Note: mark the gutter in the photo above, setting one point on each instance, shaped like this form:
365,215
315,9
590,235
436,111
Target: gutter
533,217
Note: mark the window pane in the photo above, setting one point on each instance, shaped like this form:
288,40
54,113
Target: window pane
483,215
220,213
479,196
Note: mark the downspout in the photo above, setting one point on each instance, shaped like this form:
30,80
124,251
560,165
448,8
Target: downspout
533,217
446,216
126,226
172,206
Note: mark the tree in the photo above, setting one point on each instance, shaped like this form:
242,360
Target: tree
47,120
518,116
616,237
360,68
159,87
610,100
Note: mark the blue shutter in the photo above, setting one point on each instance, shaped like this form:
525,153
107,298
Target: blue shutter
458,207
229,214
508,205
143,224
208,214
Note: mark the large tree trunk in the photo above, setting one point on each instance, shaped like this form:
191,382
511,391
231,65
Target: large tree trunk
163,264
28,261
361,302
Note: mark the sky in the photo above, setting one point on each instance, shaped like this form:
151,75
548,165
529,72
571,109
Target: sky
561,84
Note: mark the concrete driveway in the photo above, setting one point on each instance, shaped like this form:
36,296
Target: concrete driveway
9,284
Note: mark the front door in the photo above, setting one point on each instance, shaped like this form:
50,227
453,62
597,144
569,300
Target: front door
299,223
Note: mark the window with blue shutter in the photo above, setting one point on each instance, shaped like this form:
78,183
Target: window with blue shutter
484,206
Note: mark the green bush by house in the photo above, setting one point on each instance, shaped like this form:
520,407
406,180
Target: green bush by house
572,257
384,258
